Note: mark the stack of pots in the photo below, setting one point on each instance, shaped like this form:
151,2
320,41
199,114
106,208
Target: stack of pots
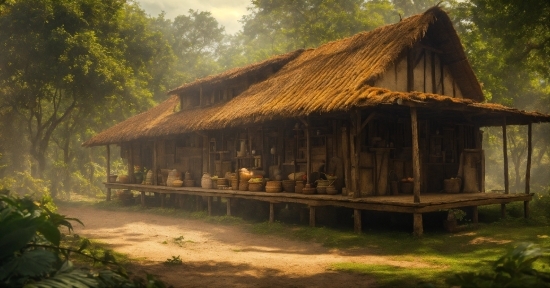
172,175
322,186
206,181
188,180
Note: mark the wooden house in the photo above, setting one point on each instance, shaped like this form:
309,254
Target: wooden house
394,114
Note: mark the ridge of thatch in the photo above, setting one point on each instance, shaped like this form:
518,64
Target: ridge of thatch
274,63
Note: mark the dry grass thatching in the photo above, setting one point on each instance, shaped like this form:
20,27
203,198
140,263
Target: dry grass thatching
333,78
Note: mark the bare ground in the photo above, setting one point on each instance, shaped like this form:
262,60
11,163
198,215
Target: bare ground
219,255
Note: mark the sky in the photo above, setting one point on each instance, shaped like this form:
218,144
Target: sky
227,12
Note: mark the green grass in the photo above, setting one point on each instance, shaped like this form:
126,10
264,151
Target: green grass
413,260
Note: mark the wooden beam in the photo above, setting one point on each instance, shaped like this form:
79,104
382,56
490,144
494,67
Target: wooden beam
271,212
209,205
415,155
312,216
505,152
369,118
228,204
418,228
357,220
108,171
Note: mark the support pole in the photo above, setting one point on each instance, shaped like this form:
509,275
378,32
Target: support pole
357,190
209,205
228,204
418,229
312,216
162,199
357,220
346,158
502,210
198,203
271,213
155,164
475,215
528,169
108,171
308,154
415,158
143,198
505,152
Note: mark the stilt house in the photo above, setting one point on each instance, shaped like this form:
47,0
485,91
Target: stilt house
392,116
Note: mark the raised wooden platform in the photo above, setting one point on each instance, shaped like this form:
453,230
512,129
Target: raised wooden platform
429,202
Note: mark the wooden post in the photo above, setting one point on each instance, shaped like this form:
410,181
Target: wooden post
505,151
209,205
475,215
502,210
155,164
415,158
528,169
357,154
108,171
143,199
162,199
357,220
308,154
131,163
418,229
271,213
198,203
346,158
312,216
228,204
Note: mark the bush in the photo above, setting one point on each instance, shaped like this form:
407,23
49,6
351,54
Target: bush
515,269
31,255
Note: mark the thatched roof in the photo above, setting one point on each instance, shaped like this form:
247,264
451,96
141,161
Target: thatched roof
333,78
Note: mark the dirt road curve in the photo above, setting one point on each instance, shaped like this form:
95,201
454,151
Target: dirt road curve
219,256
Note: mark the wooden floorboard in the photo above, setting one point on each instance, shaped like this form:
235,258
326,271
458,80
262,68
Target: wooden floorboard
429,202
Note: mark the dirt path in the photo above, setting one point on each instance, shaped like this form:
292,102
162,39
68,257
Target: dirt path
220,256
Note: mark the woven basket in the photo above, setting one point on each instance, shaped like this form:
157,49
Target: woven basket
274,184
235,184
255,187
243,186
188,183
321,189
331,190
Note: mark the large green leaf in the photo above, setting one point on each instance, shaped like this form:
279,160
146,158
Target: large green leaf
34,263
70,278
15,235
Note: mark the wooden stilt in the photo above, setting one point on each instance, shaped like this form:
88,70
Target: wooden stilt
418,228
198,203
357,220
475,215
505,152
271,213
162,199
143,199
415,156
108,171
502,210
228,204
209,205
312,216
528,170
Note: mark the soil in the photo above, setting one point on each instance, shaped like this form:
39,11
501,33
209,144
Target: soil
219,255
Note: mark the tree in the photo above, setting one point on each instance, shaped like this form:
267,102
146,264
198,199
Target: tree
62,56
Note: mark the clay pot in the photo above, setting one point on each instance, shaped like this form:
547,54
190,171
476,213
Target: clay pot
206,181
